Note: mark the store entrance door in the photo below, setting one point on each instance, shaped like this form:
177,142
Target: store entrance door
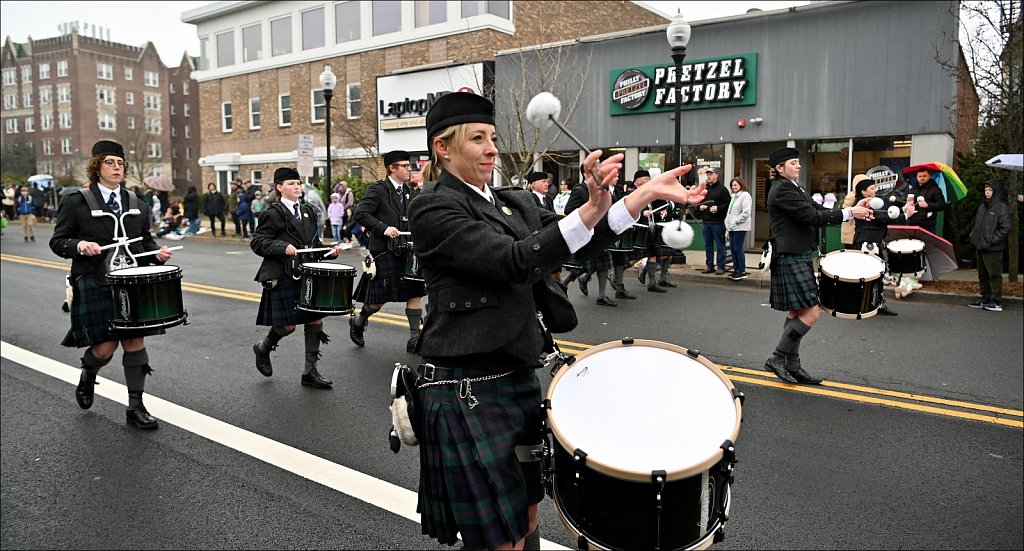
762,226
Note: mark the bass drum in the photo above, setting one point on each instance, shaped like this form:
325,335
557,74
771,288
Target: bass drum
654,470
850,285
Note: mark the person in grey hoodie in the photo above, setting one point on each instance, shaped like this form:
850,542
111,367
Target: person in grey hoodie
991,228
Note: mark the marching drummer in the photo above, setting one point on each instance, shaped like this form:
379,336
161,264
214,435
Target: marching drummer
873,231
285,227
383,212
79,236
795,218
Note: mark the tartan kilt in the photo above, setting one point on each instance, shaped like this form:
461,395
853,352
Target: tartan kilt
387,285
794,285
623,259
92,308
470,478
277,305
602,261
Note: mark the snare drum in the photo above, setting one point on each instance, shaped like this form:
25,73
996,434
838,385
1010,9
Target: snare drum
410,265
906,256
325,288
654,470
634,238
146,297
851,284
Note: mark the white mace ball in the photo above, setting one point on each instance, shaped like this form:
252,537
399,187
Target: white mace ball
877,203
894,211
542,108
678,235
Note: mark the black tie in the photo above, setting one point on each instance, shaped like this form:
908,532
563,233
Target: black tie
114,206
295,207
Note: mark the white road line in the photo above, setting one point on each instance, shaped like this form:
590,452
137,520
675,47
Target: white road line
374,491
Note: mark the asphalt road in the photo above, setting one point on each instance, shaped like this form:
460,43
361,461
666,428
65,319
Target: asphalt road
916,442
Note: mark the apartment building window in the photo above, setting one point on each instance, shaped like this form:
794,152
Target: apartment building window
313,29
65,146
174,131
226,49
12,126
257,178
225,117
430,12
284,109
184,87
355,102
151,79
64,94
44,70
26,74
254,113
174,110
65,120
26,99
318,106
346,22
387,17
153,149
129,73
153,126
204,55
188,131
187,111
30,124
48,146
46,121
62,68
281,36
130,123
480,7
174,155
170,88
252,43
105,95
188,174
10,101
152,101
129,98
188,153
10,77
156,170
107,122
104,71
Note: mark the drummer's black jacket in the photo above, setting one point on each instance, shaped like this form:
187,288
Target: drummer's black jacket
278,229
380,208
873,231
75,224
795,217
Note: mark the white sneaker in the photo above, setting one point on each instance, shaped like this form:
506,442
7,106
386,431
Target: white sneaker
993,306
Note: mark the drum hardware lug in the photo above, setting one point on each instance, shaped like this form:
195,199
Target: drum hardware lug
720,534
693,353
581,543
737,393
546,405
579,456
658,477
729,451
628,340
570,359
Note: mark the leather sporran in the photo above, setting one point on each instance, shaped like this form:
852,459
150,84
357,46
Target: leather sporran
554,305
403,408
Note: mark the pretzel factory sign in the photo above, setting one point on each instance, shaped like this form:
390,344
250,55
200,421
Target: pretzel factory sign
702,84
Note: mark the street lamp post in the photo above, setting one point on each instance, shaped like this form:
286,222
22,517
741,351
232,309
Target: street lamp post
678,33
327,82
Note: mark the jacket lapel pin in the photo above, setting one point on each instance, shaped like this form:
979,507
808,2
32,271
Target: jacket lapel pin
507,211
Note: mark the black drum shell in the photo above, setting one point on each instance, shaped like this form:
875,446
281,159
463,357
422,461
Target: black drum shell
148,300
326,291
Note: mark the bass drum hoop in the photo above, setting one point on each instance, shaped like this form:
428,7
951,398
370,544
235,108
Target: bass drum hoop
342,270
154,276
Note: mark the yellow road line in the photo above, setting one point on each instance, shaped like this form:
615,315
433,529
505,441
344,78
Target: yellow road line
763,378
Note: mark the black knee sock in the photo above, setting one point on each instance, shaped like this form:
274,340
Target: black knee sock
617,281
136,367
313,332
274,336
602,283
791,335
415,316
365,313
91,364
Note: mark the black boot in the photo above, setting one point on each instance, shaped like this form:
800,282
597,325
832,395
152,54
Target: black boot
263,348
85,389
777,365
355,331
798,373
137,416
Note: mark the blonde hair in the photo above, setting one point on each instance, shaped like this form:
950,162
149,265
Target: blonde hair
453,137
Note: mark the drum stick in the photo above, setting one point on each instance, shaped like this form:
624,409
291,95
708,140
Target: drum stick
119,243
150,253
314,250
405,233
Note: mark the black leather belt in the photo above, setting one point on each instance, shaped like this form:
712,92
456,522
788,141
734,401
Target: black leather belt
429,373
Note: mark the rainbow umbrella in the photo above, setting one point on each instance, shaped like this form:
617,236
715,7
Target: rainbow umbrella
943,176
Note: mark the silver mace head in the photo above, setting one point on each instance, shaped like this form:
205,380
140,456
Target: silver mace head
543,111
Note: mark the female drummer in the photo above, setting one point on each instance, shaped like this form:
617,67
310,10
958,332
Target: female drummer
873,231
795,218
79,236
481,249
285,227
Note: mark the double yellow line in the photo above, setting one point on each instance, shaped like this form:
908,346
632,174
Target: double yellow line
844,391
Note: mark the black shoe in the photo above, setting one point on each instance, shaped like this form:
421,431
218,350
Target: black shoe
583,281
84,391
803,377
777,365
141,418
625,294
263,364
33,238
410,346
641,274
355,332
314,380
667,283
655,289
885,311
605,301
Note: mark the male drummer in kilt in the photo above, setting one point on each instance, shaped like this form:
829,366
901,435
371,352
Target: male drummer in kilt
659,255
795,218
601,262
79,236
383,212
286,226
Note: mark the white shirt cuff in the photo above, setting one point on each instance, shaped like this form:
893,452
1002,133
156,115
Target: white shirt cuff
847,214
619,219
576,235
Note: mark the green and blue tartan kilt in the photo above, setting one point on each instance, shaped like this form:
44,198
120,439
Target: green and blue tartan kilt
387,285
794,285
622,259
470,478
602,261
277,305
92,308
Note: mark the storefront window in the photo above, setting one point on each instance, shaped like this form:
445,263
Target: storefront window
830,161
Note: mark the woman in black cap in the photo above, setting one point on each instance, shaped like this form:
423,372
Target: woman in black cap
873,231
795,218
79,236
481,251
286,226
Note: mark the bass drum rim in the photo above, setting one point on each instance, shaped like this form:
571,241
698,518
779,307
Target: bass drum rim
597,465
825,272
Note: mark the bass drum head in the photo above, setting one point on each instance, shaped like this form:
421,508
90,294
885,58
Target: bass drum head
139,271
642,407
849,265
905,246
326,268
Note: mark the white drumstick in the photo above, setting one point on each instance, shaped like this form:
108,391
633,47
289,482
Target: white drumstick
405,233
314,250
151,253
112,245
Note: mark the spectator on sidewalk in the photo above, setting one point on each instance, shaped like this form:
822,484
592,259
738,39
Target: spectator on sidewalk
213,206
737,223
713,215
27,213
991,228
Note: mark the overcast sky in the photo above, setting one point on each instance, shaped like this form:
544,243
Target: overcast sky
160,22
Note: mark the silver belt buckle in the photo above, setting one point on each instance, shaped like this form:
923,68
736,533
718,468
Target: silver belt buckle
429,372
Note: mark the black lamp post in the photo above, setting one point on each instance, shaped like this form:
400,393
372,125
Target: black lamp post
327,82
678,33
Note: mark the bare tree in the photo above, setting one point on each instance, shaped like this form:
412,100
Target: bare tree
136,147
363,133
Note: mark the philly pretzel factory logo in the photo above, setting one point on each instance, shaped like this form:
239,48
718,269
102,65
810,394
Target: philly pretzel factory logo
884,178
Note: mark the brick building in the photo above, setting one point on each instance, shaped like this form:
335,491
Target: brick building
261,61
63,94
